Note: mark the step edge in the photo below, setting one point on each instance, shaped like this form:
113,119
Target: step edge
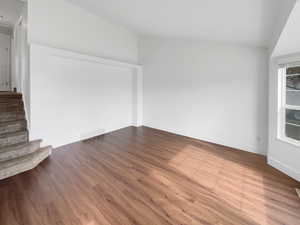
20,152
41,156
24,158
21,145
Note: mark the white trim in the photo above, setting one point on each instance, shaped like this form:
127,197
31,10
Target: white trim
281,103
293,75
87,136
290,60
292,107
218,141
62,53
282,106
292,124
289,141
284,168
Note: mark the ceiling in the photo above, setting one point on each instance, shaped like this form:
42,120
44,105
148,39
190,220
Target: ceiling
10,10
250,22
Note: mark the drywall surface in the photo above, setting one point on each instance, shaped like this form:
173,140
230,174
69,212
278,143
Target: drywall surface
205,90
289,40
250,22
281,19
60,24
74,97
281,155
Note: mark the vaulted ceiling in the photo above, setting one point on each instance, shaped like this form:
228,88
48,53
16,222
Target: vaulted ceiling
251,22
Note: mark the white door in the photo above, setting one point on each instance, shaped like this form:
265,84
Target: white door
4,62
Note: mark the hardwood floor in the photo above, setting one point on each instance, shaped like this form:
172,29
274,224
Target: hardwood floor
149,177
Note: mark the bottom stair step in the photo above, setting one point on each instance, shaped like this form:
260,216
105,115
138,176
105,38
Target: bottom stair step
19,150
13,138
15,166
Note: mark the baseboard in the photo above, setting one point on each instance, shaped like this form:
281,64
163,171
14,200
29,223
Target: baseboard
88,136
284,168
250,149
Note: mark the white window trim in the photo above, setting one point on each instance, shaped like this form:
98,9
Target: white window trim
282,106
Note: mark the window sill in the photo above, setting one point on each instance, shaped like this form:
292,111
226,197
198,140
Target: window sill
289,141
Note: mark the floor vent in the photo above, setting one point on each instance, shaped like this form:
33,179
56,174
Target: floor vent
298,192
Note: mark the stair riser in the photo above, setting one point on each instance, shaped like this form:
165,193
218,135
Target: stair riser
27,149
14,127
7,117
24,165
18,139
11,109
11,100
11,103
10,95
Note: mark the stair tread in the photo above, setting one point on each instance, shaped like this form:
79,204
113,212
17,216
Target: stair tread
10,95
16,147
23,159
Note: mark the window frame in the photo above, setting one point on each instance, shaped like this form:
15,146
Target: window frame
282,106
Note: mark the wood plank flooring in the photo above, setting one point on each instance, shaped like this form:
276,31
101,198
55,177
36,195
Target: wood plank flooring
149,177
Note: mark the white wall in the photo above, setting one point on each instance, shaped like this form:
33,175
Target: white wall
280,21
60,24
74,97
289,40
76,92
208,91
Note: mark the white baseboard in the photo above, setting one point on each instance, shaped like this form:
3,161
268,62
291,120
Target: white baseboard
86,136
218,141
284,168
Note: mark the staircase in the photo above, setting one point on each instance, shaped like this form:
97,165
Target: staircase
17,154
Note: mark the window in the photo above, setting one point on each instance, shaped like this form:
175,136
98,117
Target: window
289,103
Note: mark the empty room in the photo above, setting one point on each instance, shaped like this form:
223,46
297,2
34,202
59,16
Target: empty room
138,112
